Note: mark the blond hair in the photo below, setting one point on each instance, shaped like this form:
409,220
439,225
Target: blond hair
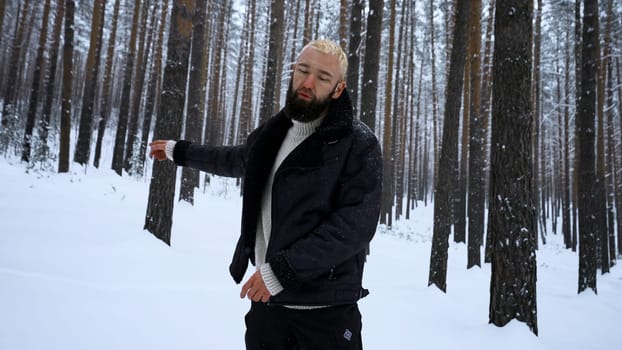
331,48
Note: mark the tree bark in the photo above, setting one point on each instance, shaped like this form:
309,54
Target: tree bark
9,105
371,63
36,84
354,48
44,125
512,212
83,146
120,137
106,99
196,92
65,119
129,160
477,145
275,50
159,217
447,174
586,150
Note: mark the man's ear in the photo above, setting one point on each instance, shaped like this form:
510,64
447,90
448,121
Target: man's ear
339,90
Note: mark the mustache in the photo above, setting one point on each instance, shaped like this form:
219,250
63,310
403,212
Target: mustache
306,91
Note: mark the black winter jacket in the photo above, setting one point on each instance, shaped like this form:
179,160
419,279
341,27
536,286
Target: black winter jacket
325,203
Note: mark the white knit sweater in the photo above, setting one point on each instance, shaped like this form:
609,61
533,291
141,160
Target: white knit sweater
295,135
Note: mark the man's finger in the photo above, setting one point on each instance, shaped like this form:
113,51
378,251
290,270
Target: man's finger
245,288
265,297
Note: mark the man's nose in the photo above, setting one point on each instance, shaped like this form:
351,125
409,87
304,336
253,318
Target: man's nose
309,82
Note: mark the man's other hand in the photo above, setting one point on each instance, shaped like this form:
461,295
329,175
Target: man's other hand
158,149
255,289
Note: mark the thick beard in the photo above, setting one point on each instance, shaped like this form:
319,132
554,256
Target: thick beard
303,111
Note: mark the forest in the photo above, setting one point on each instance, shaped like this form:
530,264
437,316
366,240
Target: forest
503,115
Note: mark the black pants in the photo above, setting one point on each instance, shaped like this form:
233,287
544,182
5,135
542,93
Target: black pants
279,328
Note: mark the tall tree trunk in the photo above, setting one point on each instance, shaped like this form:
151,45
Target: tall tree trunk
447,173
275,50
106,99
566,184
619,188
601,179
343,24
354,48
487,107
36,84
151,105
435,113
9,105
83,146
608,177
512,213
50,87
578,64
246,110
139,164
129,161
400,117
386,214
216,83
477,144
306,36
371,63
2,11
196,92
159,217
459,195
119,141
65,119
611,167
585,135
538,183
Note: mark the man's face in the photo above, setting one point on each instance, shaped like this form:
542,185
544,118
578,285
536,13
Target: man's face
316,81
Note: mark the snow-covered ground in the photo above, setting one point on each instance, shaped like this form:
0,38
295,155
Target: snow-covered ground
77,271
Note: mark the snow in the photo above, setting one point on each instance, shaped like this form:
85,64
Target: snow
77,271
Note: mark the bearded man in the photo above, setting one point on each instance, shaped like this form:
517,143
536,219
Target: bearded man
311,203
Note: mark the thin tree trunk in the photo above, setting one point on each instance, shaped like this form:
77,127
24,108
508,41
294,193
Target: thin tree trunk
83,146
246,110
354,48
566,184
386,213
44,125
275,49
578,65
129,162
435,113
371,63
486,110
106,99
459,196
151,105
36,84
9,105
120,137
65,119
196,92
447,174
216,117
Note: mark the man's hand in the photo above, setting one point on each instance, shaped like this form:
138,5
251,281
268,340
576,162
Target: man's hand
157,150
255,289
